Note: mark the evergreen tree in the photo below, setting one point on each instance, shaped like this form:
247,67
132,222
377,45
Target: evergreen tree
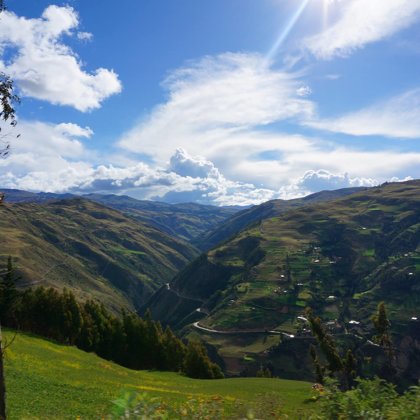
326,342
350,368
8,293
383,338
72,318
173,351
197,363
382,324
319,369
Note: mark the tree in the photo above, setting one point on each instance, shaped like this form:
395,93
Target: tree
8,292
344,369
326,342
319,369
197,363
382,324
7,100
383,338
350,367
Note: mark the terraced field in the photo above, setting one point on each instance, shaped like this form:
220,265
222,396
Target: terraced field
340,258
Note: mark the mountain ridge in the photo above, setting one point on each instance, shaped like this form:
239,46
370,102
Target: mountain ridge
91,249
340,257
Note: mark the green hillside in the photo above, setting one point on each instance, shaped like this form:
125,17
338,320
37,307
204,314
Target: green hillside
242,219
89,248
46,380
341,258
186,221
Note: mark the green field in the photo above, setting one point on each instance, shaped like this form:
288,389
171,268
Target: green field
46,380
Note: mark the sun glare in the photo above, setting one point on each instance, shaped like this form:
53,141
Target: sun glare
287,29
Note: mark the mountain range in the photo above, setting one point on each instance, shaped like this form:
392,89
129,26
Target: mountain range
341,257
240,279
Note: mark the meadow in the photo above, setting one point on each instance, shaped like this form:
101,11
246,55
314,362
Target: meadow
48,380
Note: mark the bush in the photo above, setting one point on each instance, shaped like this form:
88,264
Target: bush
145,407
370,399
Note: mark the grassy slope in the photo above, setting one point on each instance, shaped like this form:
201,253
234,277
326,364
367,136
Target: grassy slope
242,219
185,221
46,380
335,248
91,249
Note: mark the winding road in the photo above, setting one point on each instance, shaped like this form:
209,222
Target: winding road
272,332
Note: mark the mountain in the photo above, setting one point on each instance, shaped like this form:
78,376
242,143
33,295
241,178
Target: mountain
244,218
91,249
21,196
185,221
339,257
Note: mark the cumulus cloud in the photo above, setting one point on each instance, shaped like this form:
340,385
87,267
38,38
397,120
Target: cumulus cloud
319,180
220,106
47,69
55,160
395,117
361,22
185,165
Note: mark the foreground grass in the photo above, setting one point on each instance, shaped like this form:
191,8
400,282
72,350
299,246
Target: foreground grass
47,380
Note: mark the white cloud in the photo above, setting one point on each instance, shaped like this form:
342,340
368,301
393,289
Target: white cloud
222,111
52,159
304,91
396,117
319,180
362,22
214,98
45,68
219,107
333,76
73,130
198,166
85,36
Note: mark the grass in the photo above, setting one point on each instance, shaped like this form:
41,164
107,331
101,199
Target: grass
46,380
92,250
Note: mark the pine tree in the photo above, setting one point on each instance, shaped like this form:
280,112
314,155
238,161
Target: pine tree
350,368
8,293
319,369
382,324
197,363
326,342
383,338
173,351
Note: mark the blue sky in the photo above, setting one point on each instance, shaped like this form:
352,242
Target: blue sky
220,102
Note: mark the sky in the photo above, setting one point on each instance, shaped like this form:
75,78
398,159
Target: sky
222,102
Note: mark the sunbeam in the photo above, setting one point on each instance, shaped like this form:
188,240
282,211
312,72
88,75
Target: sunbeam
285,32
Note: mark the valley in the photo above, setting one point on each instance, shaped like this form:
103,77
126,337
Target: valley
341,258
339,253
